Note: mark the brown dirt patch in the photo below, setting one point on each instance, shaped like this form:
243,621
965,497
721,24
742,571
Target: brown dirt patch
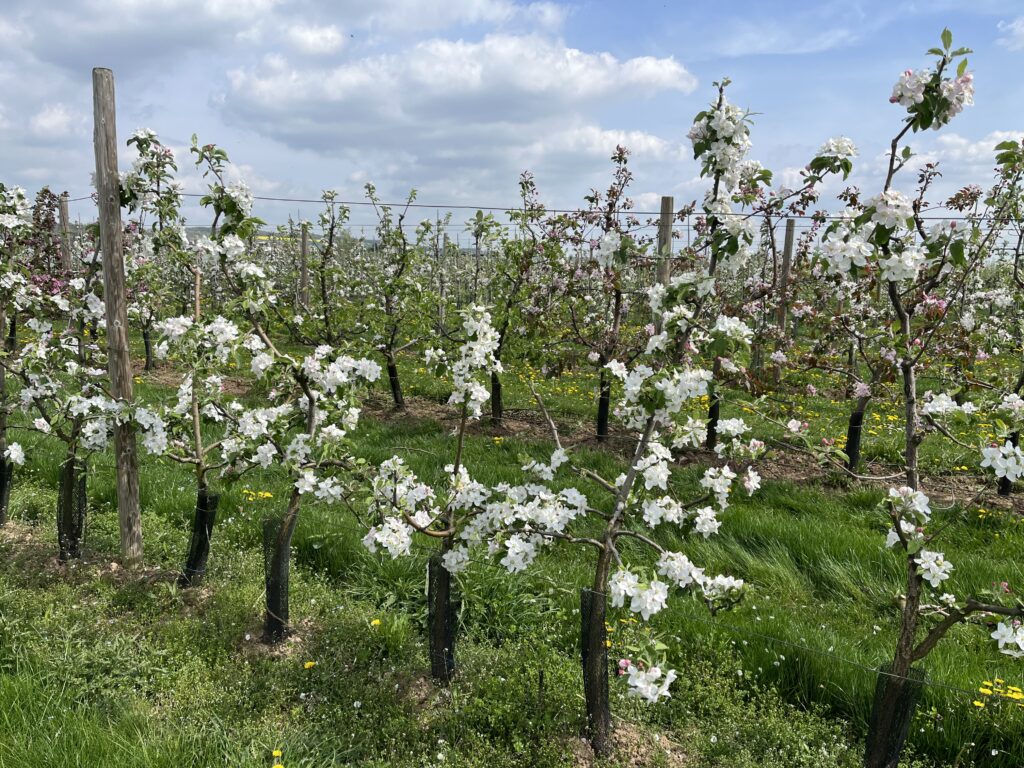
252,646
34,555
632,747
169,377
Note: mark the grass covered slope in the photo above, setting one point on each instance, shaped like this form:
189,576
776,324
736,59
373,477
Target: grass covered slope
100,665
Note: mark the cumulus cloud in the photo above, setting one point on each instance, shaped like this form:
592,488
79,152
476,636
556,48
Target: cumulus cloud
1012,36
497,68
952,147
480,111
54,121
312,39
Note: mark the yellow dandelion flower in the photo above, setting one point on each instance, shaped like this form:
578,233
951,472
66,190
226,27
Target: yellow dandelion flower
375,623
309,665
276,753
979,704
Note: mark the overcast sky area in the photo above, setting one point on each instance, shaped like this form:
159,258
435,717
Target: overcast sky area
457,97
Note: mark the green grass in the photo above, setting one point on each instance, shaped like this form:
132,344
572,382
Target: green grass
99,668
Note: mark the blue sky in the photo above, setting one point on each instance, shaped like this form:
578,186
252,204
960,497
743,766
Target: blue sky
457,97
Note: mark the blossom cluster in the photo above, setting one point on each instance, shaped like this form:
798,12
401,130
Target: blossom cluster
476,356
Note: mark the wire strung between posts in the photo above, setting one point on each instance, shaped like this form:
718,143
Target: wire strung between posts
510,208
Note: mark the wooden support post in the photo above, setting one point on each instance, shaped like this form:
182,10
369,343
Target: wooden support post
65,234
442,259
304,268
782,310
664,266
112,247
782,295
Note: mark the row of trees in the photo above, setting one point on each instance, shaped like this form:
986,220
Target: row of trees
891,294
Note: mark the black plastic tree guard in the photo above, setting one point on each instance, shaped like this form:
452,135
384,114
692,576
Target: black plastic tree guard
71,504
854,433
891,716
440,620
6,478
277,552
594,653
202,531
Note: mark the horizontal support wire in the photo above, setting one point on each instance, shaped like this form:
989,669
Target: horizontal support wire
517,209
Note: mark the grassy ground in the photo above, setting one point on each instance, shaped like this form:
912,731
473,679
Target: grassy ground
98,666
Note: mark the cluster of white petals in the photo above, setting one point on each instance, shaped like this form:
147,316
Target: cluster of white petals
1010,637
1004,460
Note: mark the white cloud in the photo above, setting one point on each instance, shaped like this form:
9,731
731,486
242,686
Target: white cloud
1013,34
314,40
498,69
592,141
54,121
767,37
428,15
952,147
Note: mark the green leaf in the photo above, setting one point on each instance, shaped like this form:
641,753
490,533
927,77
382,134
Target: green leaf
961,68
947,38
956,250
906,153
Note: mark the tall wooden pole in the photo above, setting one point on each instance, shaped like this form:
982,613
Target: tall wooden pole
664,267
304,268
782,308
65,234
112,246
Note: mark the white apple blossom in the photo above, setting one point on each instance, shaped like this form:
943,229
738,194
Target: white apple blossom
15,454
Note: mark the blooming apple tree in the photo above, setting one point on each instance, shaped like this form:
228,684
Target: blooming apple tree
312,405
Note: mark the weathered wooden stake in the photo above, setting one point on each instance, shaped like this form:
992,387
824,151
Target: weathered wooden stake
304,268
782,309
6,469
65,234
664,247
112,247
